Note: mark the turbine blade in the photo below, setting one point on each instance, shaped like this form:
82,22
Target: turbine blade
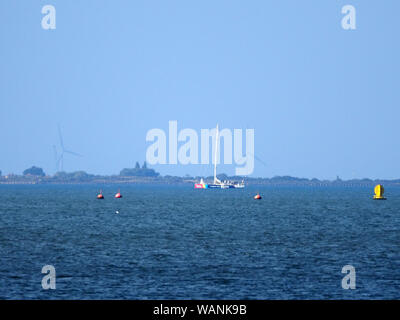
55,158
62,161
55,152
58,164
61,138
73,153
258,159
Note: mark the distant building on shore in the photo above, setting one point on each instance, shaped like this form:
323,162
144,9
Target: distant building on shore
139,171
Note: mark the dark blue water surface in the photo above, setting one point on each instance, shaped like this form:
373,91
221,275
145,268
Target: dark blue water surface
180,243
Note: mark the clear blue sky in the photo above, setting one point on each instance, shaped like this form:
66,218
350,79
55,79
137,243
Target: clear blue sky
323,101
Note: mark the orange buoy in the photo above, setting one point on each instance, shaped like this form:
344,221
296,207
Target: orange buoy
100,195
257,197
118,195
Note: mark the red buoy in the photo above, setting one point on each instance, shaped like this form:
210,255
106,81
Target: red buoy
100,195
118,195
257,197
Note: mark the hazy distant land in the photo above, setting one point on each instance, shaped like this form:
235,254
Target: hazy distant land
144,175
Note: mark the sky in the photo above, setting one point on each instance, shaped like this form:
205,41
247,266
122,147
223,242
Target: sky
323,101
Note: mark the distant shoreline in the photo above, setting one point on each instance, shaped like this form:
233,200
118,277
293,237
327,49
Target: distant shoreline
175,180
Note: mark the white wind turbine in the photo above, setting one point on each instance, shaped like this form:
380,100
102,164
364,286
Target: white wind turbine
60,159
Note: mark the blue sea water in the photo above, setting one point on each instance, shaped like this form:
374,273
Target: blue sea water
174,242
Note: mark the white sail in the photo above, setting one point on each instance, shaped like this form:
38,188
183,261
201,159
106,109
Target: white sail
216,181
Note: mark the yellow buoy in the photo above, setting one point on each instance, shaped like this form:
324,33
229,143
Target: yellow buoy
379,192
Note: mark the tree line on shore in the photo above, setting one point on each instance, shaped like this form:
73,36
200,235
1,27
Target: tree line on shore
37,172
144,174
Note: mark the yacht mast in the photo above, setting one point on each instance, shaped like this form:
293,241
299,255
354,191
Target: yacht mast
215,156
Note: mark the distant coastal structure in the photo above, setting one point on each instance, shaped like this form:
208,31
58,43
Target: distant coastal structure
138,171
